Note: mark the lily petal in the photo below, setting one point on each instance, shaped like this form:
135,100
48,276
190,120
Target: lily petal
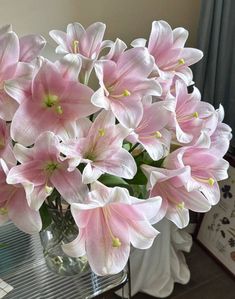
22,215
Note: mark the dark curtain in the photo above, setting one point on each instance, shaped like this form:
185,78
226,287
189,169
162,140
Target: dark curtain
215,74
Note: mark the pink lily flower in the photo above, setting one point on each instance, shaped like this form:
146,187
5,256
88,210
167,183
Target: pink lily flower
30,45
99,145
176,199
41,170
85,43
14,206
54,102
190,115
124,83
10,70
109,220
221,136
167,48
151,132
16,72
206,168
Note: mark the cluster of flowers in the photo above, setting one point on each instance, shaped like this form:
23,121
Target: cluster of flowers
141,122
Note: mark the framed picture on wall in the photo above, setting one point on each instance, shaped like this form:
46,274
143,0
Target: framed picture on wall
217,229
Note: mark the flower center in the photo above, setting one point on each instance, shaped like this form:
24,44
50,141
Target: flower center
52,101
50,167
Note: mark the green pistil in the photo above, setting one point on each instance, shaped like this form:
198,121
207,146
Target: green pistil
52,101
50,167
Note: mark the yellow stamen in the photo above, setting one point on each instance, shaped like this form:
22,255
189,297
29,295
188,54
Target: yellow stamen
180,205
126,93
211,181
158,134
115,241
48,189
188,117
101,132
3,211
181,61
75,46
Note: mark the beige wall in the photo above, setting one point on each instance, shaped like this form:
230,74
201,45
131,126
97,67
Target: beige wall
126,19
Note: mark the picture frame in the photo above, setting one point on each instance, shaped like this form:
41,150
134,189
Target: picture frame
216,232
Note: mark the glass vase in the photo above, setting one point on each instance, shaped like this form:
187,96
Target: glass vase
61,230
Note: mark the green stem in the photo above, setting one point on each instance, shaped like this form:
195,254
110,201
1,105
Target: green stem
133,147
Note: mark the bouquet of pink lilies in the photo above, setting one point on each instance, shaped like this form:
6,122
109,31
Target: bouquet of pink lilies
140,126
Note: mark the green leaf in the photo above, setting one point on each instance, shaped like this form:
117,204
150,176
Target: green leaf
139,178
127,146
45,216
112,181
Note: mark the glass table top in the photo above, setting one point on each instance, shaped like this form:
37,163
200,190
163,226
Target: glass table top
22,266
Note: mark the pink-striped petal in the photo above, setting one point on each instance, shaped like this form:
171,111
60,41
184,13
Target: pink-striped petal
9,51
121,164
69,185
25,173
128,111
22,215
30,47
179,216
135,62
91,40
103,257
142,234
180,35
